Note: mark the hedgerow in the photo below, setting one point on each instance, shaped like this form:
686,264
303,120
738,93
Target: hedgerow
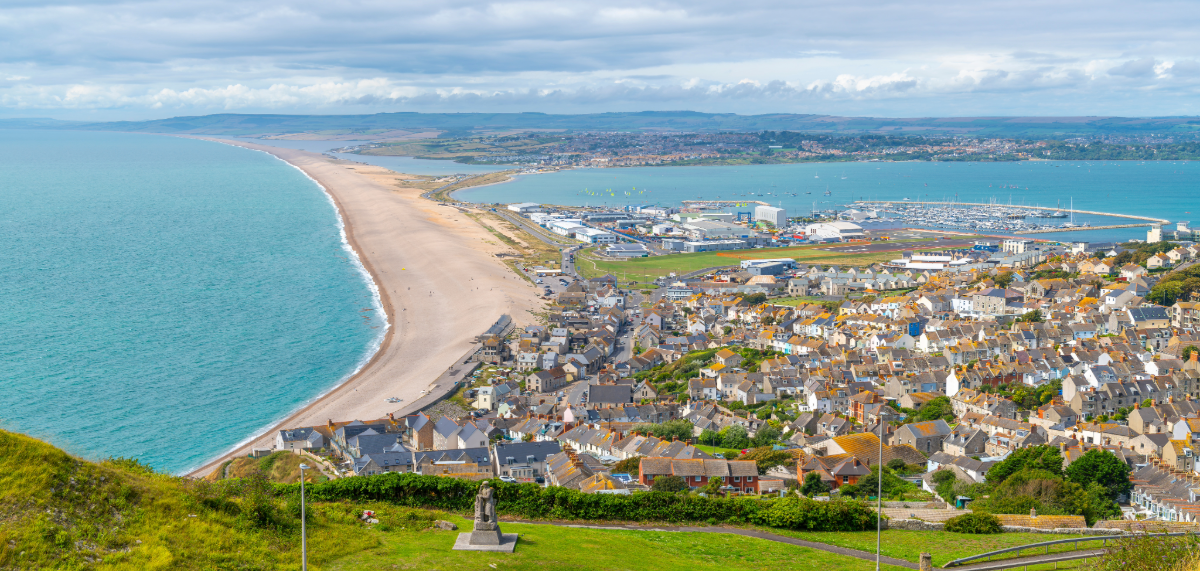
535,502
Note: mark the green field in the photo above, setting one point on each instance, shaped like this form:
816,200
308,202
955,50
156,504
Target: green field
649,268
944,546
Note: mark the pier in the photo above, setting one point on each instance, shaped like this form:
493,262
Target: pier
1079,228
1129,216
723,202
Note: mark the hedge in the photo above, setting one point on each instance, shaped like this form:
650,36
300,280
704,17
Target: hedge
535,502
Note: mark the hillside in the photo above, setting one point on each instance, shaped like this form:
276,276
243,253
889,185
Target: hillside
60,512
459,124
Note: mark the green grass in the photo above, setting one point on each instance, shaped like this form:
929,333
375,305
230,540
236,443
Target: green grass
550,547
646,269
943,545
794,301
729,454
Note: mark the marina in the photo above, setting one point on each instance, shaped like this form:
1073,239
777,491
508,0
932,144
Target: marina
990,216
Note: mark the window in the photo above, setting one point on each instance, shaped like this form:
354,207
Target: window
845,479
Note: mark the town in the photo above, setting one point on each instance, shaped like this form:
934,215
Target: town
773,376
600,149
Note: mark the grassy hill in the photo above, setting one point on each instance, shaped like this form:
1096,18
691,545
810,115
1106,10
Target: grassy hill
60,512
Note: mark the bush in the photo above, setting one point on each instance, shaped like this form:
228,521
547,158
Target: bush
531,501
974,522
632,465
810,515
670,484
1134,553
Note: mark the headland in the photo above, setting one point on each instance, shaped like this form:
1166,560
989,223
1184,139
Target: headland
438,280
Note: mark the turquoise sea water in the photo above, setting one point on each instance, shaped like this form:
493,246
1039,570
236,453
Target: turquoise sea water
165,298
1166,190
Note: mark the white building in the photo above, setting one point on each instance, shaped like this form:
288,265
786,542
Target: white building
776,216
834,231
704,230
1154,234
595,236
565,226
1015,246
525,207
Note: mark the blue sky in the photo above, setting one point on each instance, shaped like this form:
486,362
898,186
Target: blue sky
148,59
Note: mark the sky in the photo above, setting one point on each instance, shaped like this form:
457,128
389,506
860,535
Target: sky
109,60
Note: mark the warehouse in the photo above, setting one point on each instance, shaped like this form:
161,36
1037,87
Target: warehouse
834,231
776,216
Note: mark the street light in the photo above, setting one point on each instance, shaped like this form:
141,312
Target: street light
303,539
878,493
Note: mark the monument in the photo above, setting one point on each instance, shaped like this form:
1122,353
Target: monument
487,535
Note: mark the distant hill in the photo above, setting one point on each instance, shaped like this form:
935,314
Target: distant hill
466,123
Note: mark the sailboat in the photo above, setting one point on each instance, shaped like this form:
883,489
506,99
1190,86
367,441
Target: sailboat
827,191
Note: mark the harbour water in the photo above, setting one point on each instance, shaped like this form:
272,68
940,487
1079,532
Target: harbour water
165,298
1164,189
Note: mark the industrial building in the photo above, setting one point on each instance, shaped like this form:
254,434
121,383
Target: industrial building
627,251
826,231
565,226
713,246
594,236
707,230
525,207
776,216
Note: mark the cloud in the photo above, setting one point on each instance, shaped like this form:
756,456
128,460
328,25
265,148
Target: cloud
1135,68
143,58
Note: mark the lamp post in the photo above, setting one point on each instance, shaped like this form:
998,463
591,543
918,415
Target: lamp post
879,494
303,530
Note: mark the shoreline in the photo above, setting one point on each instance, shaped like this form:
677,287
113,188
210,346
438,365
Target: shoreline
345,228
370,214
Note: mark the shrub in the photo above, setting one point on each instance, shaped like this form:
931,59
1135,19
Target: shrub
810,515
670,484
974,522
1140,553
532,501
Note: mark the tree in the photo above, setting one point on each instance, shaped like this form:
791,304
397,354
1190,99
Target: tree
1104,468
1040,458
939,407
765,436
814,485
896,464
767,457
734,436
727,329
669,484
630,465
755,298
679,429
1187,352
713,486
710,437
869,484
1148,403
1034,316
1003,279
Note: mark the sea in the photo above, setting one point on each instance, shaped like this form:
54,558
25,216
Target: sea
1160,189
166,298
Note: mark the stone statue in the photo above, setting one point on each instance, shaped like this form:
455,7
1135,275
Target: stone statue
485,509
486,536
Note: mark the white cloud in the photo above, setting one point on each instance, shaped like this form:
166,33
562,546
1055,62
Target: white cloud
150,57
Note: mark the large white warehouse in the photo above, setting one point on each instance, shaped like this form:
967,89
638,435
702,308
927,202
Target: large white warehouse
834,231
776,216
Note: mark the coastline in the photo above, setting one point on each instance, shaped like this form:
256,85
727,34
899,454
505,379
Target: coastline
375,219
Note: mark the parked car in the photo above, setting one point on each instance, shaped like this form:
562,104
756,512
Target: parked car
508,479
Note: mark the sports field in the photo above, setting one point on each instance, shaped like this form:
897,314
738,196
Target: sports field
649,268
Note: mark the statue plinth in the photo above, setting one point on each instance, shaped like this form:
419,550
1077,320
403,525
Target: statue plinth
486,535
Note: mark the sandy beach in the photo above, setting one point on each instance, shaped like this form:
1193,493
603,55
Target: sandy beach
439,282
